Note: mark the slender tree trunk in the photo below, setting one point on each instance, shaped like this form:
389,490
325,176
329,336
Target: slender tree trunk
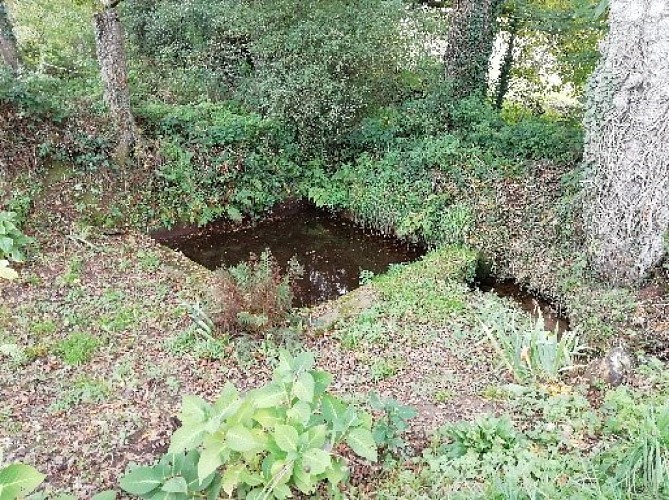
114,72
507,65
627,143
469,45
8,50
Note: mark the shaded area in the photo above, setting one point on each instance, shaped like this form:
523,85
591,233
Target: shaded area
527,301
332,251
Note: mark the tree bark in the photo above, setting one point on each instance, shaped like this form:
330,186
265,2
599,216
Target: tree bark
627,143
114,72
8,48
469,45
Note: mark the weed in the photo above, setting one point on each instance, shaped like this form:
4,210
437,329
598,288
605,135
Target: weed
191,341
526,349
253,296
482,436
77,348
386,367
83,390
73,274
149,261
389,428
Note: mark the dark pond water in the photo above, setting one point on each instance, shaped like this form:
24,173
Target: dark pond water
331,250
536,306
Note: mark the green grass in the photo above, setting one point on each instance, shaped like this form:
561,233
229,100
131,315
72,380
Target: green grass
77,348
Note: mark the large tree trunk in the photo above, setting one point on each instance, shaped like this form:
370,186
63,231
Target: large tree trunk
627,143
8,49
114,71
469,45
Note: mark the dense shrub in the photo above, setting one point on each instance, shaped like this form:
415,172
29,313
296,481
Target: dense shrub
253,296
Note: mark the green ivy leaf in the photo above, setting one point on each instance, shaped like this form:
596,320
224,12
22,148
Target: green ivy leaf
141,481
362,443
18,480
286,437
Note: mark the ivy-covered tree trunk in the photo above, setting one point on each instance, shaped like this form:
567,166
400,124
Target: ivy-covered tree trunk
471,35
114,72
8,49
627,143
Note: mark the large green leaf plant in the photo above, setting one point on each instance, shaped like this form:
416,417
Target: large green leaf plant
284,437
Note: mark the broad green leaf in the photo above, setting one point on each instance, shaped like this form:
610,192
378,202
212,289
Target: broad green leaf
141,481
268,417
304,387
286,437
211,457
105,495
362,443
282,491
269,396
337,472
322,381
316,436
281,471
300,413
175,485
240,439
18,480
226,401
333,409
187,437
303,362
303,480
232,476
317,460
194,410
214,489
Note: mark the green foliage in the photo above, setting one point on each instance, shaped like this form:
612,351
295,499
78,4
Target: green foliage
215,162
12,240
253,296
388,429
268,443
17,480
524,346
485,435
77,348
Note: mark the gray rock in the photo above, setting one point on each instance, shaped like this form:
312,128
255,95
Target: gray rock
611,369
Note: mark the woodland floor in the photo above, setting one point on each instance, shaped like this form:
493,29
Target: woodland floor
81,424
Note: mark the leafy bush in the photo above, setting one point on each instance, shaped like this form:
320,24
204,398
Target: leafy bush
253,296
526,349
287,435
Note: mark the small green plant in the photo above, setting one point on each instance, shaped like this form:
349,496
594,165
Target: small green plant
77,348
641,463
73,274
17,480
482,436
386,367
12,244
389,428
254,296
83,390
366,277
148,261
526,349
287,435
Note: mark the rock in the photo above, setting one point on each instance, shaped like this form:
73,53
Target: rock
612,369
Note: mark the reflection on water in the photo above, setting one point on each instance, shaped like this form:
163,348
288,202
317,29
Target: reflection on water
332,251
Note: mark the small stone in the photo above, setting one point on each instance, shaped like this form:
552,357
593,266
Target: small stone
612,369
